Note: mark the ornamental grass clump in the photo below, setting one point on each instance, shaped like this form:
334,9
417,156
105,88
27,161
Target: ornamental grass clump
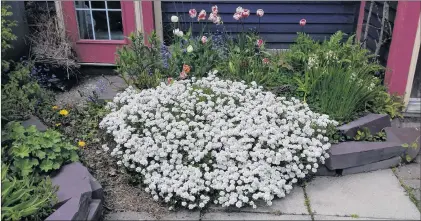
206,140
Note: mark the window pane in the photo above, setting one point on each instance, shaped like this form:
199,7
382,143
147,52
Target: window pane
100,22
82,4
98,4
114,4
84,23
116,25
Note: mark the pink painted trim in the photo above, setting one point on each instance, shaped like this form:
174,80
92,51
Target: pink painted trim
360,22
402,45
97,51
148,17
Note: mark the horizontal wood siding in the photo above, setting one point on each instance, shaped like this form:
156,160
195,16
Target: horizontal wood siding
279,25
375,24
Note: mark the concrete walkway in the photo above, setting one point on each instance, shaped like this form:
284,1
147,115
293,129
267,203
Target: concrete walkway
366,196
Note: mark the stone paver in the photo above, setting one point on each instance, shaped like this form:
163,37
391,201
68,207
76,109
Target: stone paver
293,203
409,171
410,176
320,217
252,216
374,122
181,215
376,194
36,122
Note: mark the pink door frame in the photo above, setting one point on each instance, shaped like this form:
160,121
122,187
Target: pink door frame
402,45
97,51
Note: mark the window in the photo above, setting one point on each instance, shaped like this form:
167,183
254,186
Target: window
99,20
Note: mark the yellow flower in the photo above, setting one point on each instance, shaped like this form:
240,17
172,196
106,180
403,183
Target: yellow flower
81,143
64,112
55,107
58,124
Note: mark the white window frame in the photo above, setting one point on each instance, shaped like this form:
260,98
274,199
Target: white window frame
106,10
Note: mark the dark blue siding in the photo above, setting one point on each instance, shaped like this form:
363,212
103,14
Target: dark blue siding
279,25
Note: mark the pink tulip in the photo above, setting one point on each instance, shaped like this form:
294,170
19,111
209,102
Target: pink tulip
260,12
202,15
259,42
192,13
245,13
170,80
212,17
215,9
183,75
237,16
303,22
265,60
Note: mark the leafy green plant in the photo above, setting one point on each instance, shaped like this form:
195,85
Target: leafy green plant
25,199
33,152
6,31
385,103
21,94
140,64
365,135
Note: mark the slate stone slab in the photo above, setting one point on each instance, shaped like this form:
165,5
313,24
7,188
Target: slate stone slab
76,208
405,136
114,86
384,164
180,215
374,122
95,210
324,171
97,191
36,122
73,180
252,216
353,154
376,194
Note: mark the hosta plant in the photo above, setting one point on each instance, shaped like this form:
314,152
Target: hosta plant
210,140
24,199
33,152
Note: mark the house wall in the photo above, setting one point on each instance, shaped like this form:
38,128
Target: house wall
279,25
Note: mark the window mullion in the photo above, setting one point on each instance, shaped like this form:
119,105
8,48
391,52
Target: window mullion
92,19
108,21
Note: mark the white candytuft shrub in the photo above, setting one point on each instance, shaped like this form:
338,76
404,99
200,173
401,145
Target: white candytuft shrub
212,140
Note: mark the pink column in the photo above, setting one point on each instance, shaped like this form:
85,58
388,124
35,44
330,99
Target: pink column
148,17
400,52
360,20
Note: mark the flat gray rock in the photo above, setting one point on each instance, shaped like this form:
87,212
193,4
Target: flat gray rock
292,203
73,180
114,86
376,194
409,171
252,216
353,154
97,191
374,122
76,208
35,121
384,164
406,136
324,171
95,210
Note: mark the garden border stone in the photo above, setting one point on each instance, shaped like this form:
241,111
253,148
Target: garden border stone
374,122
35,121
405,136
384,164
80,194
353,154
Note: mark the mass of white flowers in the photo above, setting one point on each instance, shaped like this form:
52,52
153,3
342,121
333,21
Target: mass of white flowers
211,140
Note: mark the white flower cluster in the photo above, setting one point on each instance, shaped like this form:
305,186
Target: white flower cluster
211,140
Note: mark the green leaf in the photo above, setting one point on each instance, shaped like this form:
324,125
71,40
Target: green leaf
40,154
408,158
46,165
21,151
56,165
74,157
24,165
414,145
405,145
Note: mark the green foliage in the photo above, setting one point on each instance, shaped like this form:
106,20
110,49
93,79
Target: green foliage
21,94
365,135
25,199
336,77
139,64
34,152
245,61
6,31
347,54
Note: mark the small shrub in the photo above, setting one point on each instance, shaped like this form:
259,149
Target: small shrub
6,31
210,140
138,64
21,94
34,152
25,199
